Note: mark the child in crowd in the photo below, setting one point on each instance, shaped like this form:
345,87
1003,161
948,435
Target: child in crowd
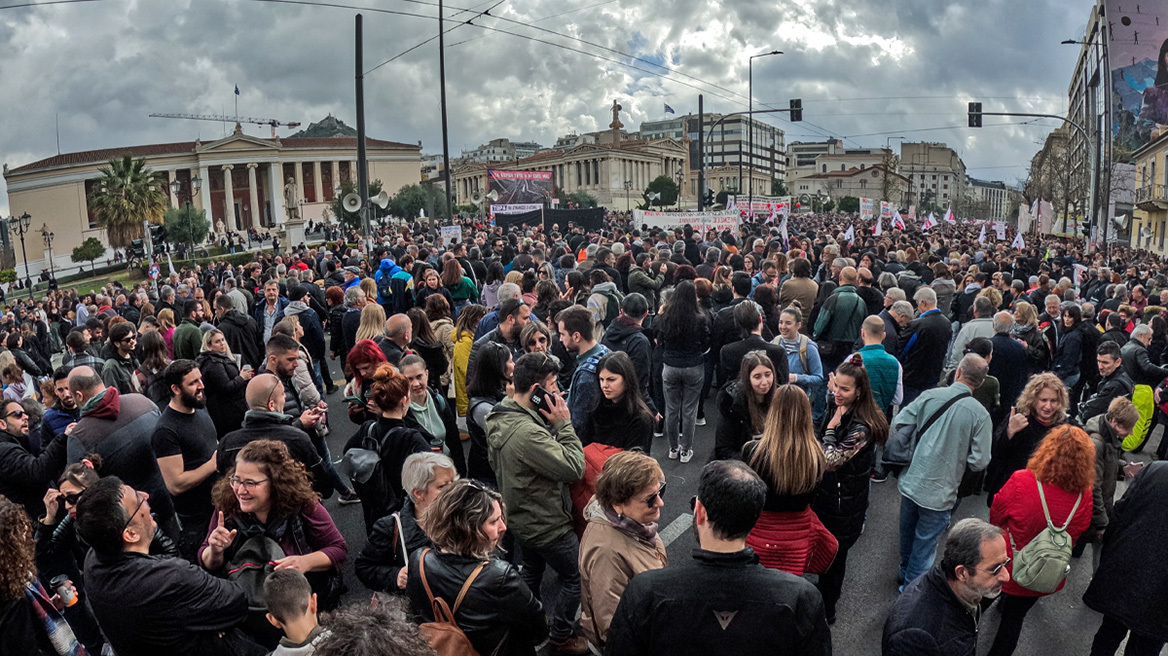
292,609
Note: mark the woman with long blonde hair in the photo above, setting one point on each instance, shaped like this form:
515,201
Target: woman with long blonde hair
372,322
791,461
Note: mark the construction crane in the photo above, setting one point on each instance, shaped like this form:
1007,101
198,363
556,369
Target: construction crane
232,119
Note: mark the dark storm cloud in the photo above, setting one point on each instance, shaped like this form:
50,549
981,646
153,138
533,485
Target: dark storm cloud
105,66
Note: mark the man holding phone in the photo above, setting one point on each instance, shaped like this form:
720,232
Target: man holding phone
536,455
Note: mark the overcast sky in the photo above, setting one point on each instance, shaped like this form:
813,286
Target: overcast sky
866,70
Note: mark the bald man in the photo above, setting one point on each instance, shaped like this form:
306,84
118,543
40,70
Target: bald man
838,324
265,420
120,428
398,334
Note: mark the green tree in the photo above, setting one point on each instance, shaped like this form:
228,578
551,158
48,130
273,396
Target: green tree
186,225
582,199
126,194
88,251
665,186
8,275
778,188
353,219
411,199
849,204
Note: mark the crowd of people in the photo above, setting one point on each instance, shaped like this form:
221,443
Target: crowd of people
164,451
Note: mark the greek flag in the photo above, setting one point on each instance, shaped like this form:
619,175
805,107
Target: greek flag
669,110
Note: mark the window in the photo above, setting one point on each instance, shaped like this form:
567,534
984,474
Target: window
944,186
934,177
863,184
825,168
945,178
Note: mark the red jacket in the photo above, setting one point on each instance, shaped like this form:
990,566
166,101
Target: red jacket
794,542
1017,509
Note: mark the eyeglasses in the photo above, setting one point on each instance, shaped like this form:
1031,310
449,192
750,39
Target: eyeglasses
19,414
72,499
250,486
129,338
141,500
651,500
997,569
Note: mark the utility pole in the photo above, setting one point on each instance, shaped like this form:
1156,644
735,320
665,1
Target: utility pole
445,136
701,154
362,163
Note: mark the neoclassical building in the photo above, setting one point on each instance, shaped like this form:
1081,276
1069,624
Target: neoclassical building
600,169
242,183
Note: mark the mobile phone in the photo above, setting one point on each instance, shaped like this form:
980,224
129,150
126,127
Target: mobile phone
355,399
539,398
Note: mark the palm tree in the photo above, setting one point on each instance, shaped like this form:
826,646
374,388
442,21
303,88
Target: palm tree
126,194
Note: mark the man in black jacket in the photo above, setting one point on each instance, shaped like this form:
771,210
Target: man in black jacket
24,478
749,319
724,601
1004,364
1113,382
240,331
149,604
265,420
1115,330
1136,362
937,613
922,346
724,330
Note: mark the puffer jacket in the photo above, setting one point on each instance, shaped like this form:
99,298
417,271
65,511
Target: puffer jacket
224,390
609,559
498,608
841,500
623,334
647,284
1038,351
534,464
378,564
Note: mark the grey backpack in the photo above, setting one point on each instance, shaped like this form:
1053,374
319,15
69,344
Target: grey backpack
1043,563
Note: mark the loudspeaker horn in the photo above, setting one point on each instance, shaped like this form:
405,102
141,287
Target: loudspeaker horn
381,200
493,196
476,198
351,202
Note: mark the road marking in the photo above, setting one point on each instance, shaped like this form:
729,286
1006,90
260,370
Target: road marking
676,528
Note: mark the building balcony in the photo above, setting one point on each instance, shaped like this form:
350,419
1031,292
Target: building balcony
1152,197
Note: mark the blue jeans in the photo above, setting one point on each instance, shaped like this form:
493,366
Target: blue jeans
563,555
920,530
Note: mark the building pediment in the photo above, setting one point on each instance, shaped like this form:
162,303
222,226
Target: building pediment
237,141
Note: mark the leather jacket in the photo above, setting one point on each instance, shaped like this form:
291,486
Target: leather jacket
498,607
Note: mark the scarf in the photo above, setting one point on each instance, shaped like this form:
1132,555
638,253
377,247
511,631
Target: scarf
59,632
646,533
789,345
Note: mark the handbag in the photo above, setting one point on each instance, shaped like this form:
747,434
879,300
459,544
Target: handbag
902,444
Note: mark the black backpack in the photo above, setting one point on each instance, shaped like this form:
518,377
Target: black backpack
383,288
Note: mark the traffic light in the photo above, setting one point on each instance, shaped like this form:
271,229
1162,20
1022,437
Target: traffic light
709,198
796,109
975,115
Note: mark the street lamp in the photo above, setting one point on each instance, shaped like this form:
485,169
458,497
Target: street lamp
48,235
628,190
680,178
20,225
750,130
193,186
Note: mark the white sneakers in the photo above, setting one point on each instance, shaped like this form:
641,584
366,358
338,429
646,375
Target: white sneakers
674,453
686,456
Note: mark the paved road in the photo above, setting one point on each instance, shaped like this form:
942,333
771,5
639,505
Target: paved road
1059,625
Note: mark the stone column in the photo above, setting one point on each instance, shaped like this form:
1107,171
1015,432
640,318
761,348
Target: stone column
299,183
316,183
335,168
205,192
170,188
229,199
276,191
253,195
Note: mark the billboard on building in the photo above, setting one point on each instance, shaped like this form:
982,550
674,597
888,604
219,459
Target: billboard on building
1138,52
520,191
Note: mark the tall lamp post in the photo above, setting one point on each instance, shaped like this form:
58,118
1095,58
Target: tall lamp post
888,161
193,186
750,130
680,178
20,225
48,235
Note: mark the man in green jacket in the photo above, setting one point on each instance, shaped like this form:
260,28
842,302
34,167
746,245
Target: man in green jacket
838,324
188,337
536,455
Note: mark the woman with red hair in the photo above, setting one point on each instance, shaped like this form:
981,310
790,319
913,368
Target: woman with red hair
363,360
1057,483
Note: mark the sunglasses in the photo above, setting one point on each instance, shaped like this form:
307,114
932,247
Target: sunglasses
651,500
72,499
129,339
141,500
19,414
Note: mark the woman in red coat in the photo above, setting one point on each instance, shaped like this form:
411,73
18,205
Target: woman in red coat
1064,464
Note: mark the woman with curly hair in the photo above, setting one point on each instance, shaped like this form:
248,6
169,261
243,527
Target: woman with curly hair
30,616
1055,487
1039,350
1041,407
498,613
268,494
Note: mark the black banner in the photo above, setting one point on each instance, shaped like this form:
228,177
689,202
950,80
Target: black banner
591,219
